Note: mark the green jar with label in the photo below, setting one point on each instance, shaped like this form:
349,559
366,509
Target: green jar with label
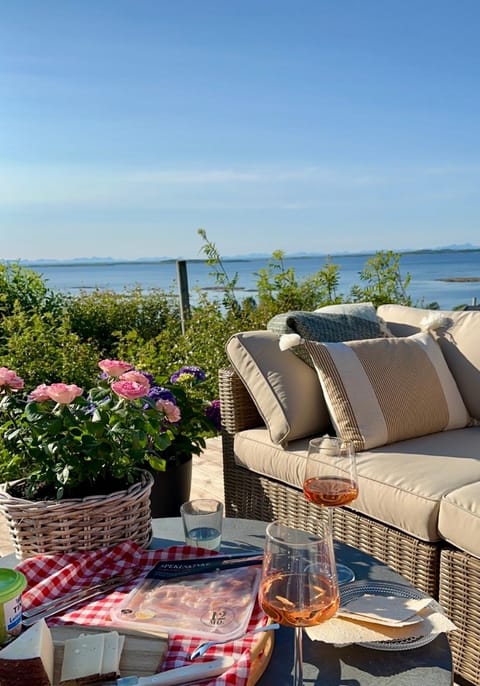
12,585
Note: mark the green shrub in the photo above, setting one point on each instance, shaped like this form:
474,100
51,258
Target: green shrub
43,350
105,317
384,282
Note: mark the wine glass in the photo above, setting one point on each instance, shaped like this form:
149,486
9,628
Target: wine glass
331,480
299,584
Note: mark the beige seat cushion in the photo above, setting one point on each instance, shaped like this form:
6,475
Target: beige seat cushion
285,390
400,485
459,519
388,389
459,342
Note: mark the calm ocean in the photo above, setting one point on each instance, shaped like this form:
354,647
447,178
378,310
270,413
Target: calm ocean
426,269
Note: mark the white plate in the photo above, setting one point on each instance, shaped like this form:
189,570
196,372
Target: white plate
357,589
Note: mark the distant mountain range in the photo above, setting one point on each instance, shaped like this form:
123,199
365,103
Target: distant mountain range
248,256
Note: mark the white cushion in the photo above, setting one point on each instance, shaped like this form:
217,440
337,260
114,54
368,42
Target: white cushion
400,485
459,518
285,390
459,341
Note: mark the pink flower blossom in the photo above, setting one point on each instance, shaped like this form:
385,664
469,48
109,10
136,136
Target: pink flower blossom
130,390
40,393
63,393
114,367
10,379
138,377
172,411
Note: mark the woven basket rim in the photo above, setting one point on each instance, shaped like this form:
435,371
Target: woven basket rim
145,482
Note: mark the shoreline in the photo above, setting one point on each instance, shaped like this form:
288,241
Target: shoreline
110,261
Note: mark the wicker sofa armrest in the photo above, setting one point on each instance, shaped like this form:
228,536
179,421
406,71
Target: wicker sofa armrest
239,412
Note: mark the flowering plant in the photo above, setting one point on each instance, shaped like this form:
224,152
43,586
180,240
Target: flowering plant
66,442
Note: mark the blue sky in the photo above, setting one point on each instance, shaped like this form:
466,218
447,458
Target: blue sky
307,125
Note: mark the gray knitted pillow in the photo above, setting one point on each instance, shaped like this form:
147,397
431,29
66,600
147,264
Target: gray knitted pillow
323,327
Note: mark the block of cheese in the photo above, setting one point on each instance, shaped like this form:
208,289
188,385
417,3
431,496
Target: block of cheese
112,651
91,657
29,658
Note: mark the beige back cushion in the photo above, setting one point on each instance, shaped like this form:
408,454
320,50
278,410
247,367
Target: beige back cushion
385,390
459,341
285,390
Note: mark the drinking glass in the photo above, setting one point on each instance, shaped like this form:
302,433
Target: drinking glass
331,480
299,585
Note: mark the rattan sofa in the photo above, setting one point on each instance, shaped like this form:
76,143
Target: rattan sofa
262,477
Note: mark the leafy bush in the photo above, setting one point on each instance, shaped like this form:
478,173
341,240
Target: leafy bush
384,281
105,317
25,288
43,349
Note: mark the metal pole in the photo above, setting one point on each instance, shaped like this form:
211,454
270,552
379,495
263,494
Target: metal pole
182,279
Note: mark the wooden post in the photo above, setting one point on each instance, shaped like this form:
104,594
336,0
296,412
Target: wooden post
182,279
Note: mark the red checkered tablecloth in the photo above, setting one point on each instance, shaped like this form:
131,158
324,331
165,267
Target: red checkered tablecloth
50,576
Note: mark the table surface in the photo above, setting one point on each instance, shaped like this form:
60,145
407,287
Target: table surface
325,665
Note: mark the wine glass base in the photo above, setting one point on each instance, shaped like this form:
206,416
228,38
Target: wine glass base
345,575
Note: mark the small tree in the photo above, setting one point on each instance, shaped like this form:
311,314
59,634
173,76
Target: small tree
384,281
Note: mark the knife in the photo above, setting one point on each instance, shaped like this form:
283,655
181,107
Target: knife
74,597
180,675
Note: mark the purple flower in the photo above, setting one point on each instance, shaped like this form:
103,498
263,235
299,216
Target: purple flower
160,393
195,374
213,413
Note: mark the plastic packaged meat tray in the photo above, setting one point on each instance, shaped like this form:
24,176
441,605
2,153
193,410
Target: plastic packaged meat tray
215,605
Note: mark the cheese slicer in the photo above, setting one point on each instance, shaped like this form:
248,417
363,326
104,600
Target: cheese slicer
180,675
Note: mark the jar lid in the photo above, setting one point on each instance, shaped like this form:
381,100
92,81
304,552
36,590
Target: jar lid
12,583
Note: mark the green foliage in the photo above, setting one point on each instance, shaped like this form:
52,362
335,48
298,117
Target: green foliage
384,282
105,317
279,290
43,349
203,343
224,282
24,288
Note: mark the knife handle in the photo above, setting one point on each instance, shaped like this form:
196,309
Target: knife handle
182,675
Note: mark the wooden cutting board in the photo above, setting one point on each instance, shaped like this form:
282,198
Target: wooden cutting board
142,654
261,653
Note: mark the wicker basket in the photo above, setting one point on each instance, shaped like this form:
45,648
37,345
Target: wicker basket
79,524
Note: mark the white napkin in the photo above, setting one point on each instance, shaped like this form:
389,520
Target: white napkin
387,610
342,631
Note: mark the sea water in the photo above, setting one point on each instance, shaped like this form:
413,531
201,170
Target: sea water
429,273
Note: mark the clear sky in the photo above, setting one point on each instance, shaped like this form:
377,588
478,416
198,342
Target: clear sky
301,125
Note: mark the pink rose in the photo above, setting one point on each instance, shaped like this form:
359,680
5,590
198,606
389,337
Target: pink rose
10,379
114,367
63,393
130,390
138,377
172,411
40,393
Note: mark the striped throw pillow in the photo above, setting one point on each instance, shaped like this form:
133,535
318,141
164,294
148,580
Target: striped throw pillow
385,390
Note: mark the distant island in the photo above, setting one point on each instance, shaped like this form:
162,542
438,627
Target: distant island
104,261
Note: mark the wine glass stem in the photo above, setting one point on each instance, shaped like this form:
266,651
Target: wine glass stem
330,518
298,658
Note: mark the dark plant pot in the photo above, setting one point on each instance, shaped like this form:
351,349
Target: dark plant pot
170,489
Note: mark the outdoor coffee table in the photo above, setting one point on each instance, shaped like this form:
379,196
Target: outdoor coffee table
325,665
